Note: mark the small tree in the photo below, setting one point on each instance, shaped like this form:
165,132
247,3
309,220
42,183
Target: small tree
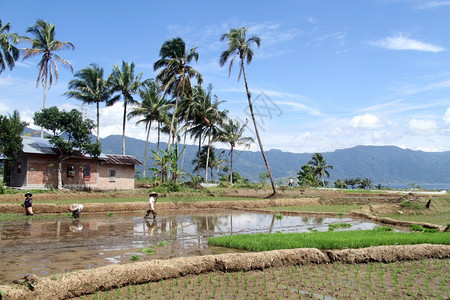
306,177
10,141
72,126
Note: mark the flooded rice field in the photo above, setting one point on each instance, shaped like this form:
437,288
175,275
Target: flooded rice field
50,247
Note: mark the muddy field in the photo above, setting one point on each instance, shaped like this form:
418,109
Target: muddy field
96,277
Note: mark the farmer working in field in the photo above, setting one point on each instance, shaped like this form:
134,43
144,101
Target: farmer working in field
76,210
28,204
151,204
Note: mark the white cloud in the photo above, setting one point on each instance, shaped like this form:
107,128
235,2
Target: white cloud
422,127
367,121
446,119
400,42
434,4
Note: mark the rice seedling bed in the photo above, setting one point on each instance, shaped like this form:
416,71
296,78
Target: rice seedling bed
420,279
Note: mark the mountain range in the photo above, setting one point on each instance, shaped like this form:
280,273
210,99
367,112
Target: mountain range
386,165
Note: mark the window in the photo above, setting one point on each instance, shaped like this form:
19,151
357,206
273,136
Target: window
70,171
112,175
87,172
19,168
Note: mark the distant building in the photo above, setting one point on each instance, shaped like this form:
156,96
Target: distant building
37,167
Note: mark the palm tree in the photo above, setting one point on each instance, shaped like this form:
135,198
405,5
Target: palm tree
176,73
151,108
206,118
90,87
319,167
215,118
8,52
124,81
239,46
44,44
232,133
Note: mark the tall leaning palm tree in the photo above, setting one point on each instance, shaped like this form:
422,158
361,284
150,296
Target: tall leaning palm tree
44,44
175,72
90,86
239,46
151,108
123,81
319,167
232,132
8,52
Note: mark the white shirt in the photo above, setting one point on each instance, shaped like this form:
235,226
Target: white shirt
151,203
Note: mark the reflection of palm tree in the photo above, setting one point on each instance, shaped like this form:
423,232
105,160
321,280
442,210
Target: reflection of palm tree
271,223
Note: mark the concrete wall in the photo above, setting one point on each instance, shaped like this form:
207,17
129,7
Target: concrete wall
124,179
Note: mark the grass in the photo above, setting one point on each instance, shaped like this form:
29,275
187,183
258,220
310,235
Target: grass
136,198
440,218
326,240
344,208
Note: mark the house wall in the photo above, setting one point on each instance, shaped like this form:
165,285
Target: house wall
41,171
124,179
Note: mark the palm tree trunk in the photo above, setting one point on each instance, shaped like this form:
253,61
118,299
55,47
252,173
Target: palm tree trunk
249,97
231,166
124,122
198,155
159,137
43,105
146,146
98,122
207,157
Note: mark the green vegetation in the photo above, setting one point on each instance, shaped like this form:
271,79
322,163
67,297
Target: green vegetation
396,280
134,257
334,226
383,228
326,240
337,208
415,227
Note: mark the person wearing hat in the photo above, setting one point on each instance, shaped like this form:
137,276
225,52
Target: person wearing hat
76,210
151,204
28,204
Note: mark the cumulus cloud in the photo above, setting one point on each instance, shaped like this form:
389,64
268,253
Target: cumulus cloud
367,121
400,42
446,119
422,127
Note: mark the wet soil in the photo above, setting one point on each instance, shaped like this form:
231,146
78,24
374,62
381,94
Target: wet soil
92,276
308,281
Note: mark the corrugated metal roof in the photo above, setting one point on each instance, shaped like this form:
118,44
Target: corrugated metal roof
37,145
122,160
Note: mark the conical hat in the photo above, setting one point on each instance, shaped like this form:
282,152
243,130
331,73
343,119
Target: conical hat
73,207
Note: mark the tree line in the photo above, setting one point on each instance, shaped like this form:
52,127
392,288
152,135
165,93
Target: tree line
174,100
313,174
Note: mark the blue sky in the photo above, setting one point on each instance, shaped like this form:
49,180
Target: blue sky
328,75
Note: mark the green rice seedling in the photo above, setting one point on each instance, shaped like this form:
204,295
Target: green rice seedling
417,227
134,258
162,244
110,214
279,217
334,226
383,228
147,251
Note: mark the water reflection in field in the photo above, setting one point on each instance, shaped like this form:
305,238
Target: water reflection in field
44,247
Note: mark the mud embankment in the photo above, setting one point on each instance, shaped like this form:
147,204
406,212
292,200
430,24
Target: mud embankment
85,282
48,208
